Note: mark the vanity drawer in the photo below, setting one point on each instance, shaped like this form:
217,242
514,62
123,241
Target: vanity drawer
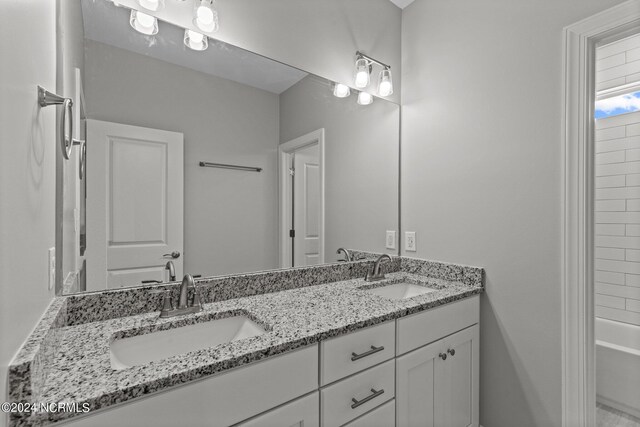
431,325
354,352
336,401
383,416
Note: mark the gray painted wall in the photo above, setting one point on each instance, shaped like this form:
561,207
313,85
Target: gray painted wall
481,179
361,157
28,148
230,217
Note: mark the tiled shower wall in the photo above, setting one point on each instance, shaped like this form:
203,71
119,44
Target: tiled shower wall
617,216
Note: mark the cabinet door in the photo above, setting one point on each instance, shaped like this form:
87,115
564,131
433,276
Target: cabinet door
304,412
456,380
415,381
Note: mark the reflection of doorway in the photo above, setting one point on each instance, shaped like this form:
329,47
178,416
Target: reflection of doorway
302,200
134,204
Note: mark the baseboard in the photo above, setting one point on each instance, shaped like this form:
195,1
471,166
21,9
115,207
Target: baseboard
619,406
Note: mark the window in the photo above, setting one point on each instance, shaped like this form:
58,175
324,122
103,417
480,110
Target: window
617,105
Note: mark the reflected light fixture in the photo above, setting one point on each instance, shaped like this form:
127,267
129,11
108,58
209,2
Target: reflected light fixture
385,84
154,5
143,23
364,66
195,40
341,91
365,98
204,16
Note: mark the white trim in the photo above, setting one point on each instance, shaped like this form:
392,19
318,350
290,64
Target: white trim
284,150
578,341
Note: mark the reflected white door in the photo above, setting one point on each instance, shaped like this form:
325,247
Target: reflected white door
306,206
134,204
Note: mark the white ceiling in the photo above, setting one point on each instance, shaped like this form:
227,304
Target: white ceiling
402,3
106,23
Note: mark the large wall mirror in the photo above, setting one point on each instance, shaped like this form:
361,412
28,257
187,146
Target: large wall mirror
209,158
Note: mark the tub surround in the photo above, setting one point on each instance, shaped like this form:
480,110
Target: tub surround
67,358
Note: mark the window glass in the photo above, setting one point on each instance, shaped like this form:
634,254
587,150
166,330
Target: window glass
617,105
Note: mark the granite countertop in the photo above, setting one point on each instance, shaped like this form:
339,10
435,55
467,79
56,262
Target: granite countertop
81,371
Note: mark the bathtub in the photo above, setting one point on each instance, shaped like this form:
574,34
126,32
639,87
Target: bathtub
618,365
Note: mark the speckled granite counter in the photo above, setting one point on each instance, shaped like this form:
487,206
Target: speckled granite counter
67,358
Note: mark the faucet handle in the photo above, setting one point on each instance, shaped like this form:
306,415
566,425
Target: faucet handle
167,305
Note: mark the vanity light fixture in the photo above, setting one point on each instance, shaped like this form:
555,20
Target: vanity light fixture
143,23
362,73
341,91
195,40
154,5
205,16
385,84
364,66
365,98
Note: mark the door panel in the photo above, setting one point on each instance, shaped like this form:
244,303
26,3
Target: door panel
307,206
134,203
415,376
456,380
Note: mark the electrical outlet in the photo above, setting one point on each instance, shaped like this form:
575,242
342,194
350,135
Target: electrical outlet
391,239
52,267
410,241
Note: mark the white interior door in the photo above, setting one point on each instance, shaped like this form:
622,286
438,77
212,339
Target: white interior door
134,204
306,206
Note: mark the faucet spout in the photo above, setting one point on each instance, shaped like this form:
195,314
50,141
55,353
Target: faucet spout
376,274
347,254
187,281
172,271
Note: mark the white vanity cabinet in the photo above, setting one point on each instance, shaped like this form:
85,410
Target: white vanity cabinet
437,384
417,371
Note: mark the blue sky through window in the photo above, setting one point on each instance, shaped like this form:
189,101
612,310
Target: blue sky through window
618,105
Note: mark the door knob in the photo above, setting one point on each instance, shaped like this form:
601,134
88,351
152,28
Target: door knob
451,351
443,356
174,255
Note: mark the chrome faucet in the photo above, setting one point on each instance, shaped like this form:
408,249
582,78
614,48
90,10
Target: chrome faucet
347,255
172,271
168,310
376,274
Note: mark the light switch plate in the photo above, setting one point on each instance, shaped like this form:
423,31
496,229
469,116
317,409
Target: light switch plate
410,241
391,239
52,267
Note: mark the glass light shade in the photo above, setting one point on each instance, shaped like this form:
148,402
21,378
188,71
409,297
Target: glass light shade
204,16
362,73
151,4
195,40
385,84
143,23
365,98
341,91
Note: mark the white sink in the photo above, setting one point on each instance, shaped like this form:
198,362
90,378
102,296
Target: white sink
400,290
142,349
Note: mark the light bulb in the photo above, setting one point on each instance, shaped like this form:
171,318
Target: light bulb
362,73
143,23
154,5
195,40
365,98
204,16
385,84
341,91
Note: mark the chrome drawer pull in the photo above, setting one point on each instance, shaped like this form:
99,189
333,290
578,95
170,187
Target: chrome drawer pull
355,356
375,394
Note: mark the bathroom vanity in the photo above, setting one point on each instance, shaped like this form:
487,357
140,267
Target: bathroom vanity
316,354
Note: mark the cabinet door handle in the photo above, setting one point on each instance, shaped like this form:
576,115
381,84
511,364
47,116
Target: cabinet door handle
443,356
355,356
452,351
373,395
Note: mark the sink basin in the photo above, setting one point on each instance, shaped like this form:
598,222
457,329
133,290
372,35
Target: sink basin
142,349
400,290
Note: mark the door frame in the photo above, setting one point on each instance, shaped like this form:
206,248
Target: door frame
578,308
284,153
